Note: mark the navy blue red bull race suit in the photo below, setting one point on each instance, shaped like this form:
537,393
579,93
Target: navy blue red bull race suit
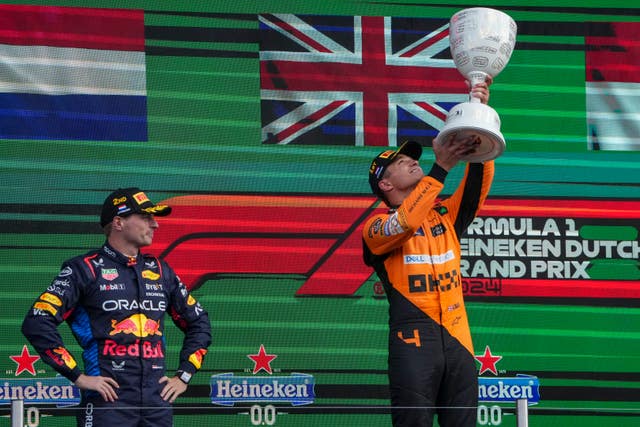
415,251
115,306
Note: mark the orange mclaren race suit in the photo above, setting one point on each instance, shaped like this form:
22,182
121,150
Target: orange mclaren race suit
115,306
415,251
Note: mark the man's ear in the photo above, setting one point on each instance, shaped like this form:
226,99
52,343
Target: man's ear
385,185
116,224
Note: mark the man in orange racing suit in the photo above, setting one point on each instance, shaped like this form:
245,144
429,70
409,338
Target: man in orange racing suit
415,250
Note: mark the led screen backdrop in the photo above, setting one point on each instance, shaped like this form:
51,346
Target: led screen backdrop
256,121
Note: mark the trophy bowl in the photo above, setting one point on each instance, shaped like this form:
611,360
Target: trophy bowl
481,42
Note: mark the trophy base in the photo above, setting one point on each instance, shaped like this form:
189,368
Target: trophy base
490,145
473,119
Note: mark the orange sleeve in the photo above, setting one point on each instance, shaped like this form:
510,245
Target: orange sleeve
467,200
384,232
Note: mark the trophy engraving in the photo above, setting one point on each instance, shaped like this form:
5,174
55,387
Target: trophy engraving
481,42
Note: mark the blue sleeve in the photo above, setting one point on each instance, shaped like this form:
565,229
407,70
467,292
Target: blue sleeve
50,309
192,319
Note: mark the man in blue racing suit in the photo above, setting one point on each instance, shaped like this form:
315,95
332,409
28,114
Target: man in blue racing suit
114,300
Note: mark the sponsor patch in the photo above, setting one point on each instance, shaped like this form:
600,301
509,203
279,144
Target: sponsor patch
45,306
227,389
428,258
140,198
109,273
392,225
137,324
61,355
123,209
67,271
197,357
438,230
375,227
509,389
148,274
57,390
119,200
442,210
51,298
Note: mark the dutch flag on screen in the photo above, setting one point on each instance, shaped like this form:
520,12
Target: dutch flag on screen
72,73
612,63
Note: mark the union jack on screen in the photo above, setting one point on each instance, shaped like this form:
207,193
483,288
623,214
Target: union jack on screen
355,80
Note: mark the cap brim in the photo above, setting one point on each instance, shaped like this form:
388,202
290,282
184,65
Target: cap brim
158,210
411,149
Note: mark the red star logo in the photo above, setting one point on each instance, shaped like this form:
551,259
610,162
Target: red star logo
262,360
488,361
25,361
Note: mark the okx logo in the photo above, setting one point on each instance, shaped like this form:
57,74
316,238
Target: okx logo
296,388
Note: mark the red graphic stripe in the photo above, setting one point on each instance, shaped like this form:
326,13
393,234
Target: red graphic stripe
197,258
570,288
341,273
244,234
225,234
88,28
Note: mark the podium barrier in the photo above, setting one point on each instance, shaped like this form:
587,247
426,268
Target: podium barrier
17,413
522,413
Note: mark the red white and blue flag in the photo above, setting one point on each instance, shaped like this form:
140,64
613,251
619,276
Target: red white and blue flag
612,63
72,73
355,80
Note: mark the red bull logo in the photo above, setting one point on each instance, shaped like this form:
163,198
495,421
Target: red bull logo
196,358
144,349
138,324
65,357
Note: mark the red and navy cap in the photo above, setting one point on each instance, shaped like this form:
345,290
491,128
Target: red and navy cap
127,201
383,160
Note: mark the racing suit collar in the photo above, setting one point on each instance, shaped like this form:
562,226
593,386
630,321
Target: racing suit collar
119,257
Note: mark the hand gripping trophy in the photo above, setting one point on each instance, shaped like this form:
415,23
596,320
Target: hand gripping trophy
481,42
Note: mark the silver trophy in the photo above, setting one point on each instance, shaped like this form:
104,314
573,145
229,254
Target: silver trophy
481,42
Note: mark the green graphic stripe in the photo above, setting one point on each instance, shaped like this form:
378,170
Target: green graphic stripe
620,269
608,232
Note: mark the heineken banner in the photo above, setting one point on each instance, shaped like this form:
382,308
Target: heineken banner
257,122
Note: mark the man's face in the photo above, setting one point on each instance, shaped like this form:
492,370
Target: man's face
404,172
138,229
